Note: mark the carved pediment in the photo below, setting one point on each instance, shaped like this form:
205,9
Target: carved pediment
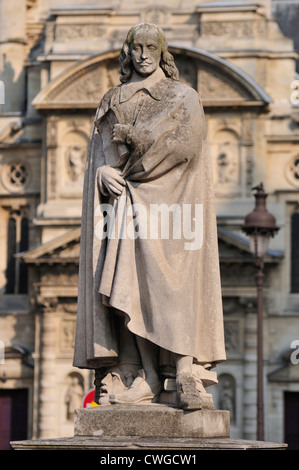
235,248
89,85
66,248
217,81
63,249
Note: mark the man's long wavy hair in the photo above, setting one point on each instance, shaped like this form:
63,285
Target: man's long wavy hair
166,63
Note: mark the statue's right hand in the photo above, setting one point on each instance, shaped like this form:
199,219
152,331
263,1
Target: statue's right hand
112,180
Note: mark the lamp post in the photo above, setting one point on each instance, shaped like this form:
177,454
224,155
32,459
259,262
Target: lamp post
260,226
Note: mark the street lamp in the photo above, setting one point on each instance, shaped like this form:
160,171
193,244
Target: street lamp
260,226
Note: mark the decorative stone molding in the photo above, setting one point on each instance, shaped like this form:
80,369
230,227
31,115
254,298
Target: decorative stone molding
156,14
219,82
218,86
16,175
67,335
70,32
292,171
51,140
234,29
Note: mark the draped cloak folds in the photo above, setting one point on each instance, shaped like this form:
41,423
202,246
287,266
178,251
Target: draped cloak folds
168,287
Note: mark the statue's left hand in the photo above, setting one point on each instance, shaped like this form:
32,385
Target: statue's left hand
120,133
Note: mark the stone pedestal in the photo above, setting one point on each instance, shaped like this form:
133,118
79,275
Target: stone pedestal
148,428
151,421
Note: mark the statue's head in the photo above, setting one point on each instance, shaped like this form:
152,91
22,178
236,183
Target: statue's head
144,50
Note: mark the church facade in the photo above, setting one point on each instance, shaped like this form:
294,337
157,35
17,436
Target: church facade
56,62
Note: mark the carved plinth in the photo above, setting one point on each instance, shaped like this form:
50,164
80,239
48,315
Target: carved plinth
151,421
148,428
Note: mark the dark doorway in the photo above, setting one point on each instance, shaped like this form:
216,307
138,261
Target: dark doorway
291,419
13,416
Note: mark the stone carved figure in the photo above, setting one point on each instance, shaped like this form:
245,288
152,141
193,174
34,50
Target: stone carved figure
149,307
222,161
227,397
75,158
73,398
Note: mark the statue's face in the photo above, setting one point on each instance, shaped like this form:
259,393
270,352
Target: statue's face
145,52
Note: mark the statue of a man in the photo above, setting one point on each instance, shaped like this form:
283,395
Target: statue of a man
149,303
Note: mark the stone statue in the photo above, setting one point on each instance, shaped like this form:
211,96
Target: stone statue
73,398
75,159
149,301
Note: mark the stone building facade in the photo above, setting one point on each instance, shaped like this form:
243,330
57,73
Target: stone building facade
56,61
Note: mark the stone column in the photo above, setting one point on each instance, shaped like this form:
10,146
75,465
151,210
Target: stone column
13,54
250,377
46,387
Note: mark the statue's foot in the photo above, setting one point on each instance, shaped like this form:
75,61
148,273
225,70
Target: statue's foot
187,391
140,391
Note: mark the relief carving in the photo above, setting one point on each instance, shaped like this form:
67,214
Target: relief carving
156,15
67,340
75,157
52,131
87,86
90,84
68,32
73,149
226,158
216,87
233,29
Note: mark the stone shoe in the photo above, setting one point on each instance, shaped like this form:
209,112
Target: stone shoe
140,391
187,392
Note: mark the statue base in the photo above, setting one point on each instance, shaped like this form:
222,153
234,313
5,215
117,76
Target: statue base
148,428
123,446
153,420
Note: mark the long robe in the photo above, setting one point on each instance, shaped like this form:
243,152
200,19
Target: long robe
167,286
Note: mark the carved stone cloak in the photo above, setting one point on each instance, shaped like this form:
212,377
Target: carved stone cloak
168,288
